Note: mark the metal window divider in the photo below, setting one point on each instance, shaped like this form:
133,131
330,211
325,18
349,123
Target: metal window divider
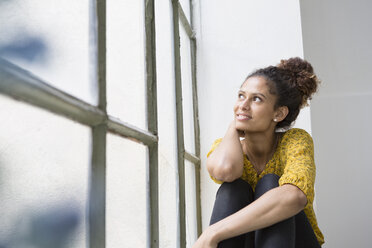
196,119
179,119
152,123
185,23
97,179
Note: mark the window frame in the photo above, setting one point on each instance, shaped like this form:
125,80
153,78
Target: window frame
182,154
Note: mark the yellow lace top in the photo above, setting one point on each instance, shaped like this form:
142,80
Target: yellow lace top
293,162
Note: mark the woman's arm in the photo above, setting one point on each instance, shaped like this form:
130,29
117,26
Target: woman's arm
225,163
275,205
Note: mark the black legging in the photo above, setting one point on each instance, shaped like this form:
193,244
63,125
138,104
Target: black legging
295,232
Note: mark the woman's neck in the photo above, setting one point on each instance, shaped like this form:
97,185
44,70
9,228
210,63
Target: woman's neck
260,147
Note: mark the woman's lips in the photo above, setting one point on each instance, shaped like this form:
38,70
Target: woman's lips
241,117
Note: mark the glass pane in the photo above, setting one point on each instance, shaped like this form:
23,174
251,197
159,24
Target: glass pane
168,190
191,223
44,171
188,113
126,62
168,186
186,8
126,214
50,38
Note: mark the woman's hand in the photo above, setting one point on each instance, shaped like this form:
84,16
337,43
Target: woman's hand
206,240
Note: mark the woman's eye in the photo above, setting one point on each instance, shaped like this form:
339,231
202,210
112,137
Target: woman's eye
257,99
240,96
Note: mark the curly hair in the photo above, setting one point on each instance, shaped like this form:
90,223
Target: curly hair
293,82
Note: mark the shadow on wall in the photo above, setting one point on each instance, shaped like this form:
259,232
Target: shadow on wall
28,48
54,227
21,45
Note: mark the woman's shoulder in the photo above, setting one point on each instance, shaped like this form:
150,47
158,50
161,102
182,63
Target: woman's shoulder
295,136
296,132
296,143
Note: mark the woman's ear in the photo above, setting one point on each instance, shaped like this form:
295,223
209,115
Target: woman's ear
281,113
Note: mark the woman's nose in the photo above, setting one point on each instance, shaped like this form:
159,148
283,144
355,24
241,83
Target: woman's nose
245,105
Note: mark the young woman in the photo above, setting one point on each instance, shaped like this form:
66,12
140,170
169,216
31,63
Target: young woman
267,192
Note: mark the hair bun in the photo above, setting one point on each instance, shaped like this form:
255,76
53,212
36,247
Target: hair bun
302,76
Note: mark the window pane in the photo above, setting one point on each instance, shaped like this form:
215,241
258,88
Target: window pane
168,190
168,186
191,221
126,62
44,169
186,8
126,193
188,113
50,38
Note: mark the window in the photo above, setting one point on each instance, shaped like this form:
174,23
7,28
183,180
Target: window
88,100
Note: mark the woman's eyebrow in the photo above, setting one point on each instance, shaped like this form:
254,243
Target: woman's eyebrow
260,94
256,93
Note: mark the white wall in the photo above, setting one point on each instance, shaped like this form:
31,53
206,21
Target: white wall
234,39
337,40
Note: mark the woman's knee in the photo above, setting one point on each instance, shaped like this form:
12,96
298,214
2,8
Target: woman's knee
236,191
230,198
266,183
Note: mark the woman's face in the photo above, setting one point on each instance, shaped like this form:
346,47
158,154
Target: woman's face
255,107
